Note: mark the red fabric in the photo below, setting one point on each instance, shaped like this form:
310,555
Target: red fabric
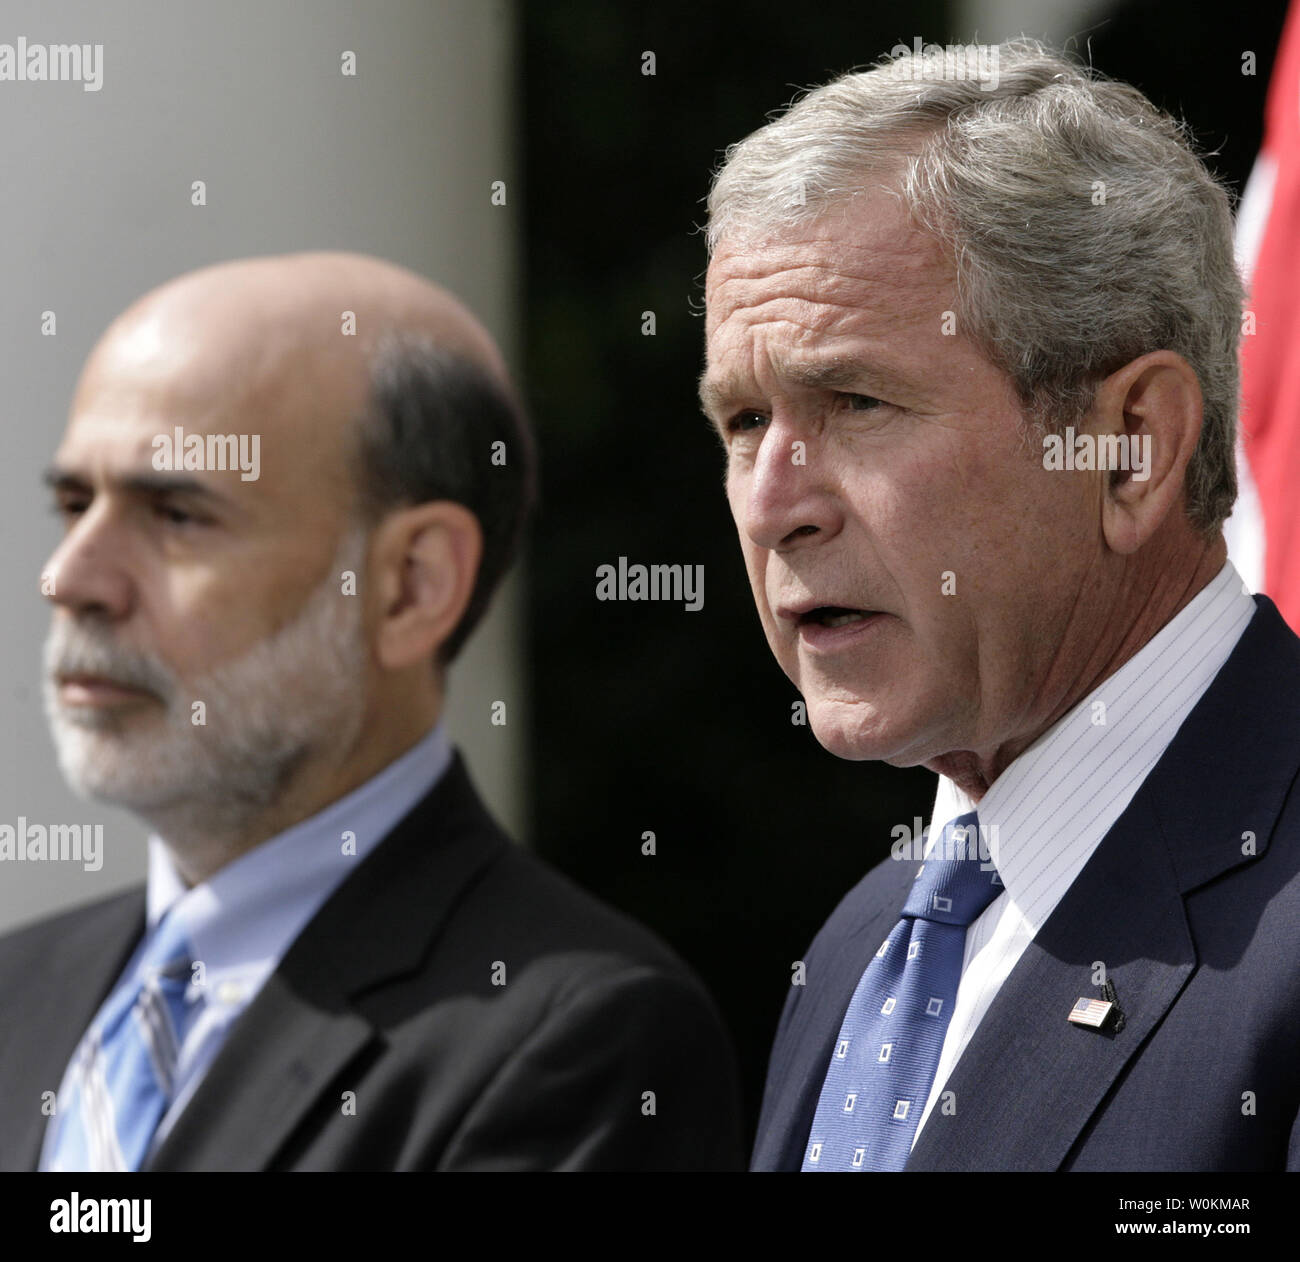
1270,360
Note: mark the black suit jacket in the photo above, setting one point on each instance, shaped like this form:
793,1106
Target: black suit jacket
388,993
1192,901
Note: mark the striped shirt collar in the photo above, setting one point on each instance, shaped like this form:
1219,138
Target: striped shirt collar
1048,811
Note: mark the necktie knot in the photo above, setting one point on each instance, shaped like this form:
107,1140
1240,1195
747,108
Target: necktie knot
168,957
957,881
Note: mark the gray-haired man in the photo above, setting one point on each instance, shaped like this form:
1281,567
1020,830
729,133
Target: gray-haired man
972,355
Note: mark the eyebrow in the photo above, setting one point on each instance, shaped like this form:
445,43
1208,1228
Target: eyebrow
143,484
826,373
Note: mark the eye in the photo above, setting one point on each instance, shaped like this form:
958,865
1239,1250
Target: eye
743,422
175,516
862,402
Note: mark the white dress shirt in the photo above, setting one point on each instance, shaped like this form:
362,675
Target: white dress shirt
1048,811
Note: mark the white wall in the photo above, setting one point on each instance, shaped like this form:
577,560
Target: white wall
248,96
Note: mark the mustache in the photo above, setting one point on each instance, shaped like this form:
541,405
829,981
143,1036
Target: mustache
75,650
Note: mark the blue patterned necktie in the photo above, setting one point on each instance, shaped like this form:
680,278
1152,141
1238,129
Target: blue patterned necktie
124,1067
884,1061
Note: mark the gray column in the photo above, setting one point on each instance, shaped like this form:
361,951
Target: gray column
250,97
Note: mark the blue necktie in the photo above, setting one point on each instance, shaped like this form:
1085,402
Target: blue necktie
884,1061
124,1067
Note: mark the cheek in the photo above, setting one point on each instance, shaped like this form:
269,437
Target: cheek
756,571
904,538
735,491
756,560
201,625
950,532
196,640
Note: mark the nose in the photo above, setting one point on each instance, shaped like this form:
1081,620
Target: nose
84,574
781,501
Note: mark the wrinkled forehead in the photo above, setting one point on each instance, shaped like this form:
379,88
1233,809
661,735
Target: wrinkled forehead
850,253
835,281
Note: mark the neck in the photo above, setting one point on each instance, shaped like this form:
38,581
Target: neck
1116,639
202,837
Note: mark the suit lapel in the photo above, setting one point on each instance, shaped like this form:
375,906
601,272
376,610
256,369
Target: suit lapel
277,1060
301,1029
1029,1080
74,964
809,1030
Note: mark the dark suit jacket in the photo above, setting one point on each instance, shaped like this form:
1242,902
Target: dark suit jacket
388,993
1200,937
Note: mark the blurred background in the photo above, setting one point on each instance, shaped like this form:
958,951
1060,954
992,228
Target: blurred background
626,718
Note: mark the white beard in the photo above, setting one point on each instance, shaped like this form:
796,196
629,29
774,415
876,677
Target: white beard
295,693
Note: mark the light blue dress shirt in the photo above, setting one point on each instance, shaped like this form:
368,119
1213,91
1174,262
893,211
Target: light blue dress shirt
244,918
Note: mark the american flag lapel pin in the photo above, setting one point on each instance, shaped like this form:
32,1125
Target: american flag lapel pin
1091,1012
1099,1014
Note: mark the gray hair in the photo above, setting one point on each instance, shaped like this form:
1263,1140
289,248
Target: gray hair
1083,224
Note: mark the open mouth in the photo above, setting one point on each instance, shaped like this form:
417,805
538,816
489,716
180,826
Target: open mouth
834,616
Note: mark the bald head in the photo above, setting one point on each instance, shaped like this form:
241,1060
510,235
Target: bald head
286,343
252,310
365,387
286,347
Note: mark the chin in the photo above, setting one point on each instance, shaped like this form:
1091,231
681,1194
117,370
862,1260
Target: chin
858,732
